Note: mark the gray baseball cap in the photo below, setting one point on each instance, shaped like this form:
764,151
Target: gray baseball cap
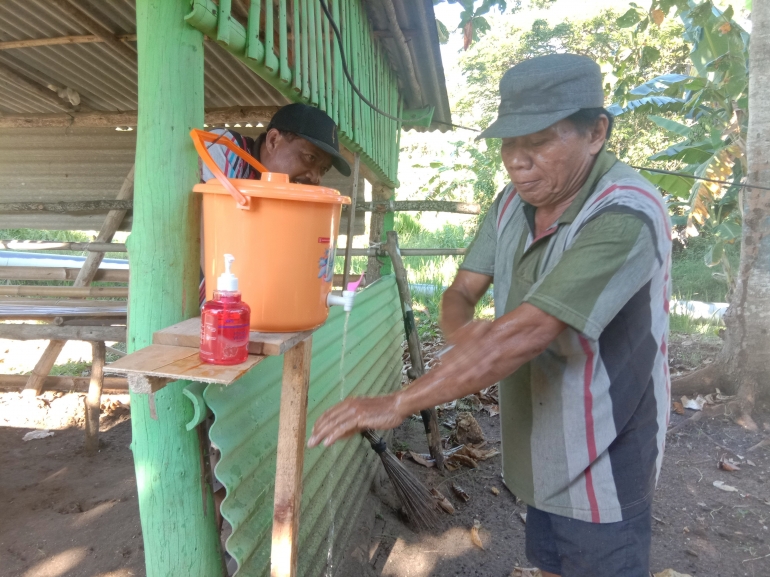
542,91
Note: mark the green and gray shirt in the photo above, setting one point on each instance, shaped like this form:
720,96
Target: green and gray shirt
584,423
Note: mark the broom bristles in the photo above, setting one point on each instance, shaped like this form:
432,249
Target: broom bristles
416,499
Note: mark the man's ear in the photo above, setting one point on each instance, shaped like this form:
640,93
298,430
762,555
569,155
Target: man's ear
271,140
599,134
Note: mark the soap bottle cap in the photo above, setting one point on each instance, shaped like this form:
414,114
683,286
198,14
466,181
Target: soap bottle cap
227,281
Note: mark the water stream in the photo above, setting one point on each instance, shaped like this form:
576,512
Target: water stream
335,457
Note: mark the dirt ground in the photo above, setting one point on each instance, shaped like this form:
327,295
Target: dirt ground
63,514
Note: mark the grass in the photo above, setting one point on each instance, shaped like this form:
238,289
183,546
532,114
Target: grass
692,279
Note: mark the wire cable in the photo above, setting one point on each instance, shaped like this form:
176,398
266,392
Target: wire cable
703,178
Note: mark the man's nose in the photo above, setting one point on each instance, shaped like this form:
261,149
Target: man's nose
518,158
313,176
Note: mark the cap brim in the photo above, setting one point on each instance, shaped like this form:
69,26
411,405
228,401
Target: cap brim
513,125
338,161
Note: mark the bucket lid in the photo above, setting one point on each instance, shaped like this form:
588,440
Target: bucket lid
275,185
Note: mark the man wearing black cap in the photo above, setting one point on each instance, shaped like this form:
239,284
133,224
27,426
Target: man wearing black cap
578,247
300,141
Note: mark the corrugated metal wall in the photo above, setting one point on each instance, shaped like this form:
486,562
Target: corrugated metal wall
335,479
62,164
74,164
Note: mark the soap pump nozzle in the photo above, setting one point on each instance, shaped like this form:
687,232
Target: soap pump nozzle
227,281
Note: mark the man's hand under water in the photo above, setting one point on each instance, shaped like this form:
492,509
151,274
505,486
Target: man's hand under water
484,353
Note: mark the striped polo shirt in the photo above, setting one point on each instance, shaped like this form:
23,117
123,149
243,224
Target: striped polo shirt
584,423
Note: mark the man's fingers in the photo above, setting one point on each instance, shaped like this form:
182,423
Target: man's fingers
329,421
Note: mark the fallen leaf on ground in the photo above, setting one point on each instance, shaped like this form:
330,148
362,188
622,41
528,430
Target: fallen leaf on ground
728,488
695,404
495,491
526,572
523,517
458,490
40,434
469,403
443,502
420,460
670,573
458,459
468,430
478,454
475,534
678,408
728,465
751,463
493,410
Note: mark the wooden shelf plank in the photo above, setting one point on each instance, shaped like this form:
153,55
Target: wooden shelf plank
188,334
180,363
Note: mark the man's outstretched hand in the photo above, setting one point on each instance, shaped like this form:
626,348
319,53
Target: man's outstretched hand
355,415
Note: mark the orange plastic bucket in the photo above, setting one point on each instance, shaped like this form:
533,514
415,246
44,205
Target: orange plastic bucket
283,237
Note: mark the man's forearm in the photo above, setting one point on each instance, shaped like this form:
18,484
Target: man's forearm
498,350
456,311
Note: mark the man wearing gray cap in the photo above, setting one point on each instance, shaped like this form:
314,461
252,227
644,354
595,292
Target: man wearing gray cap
578,248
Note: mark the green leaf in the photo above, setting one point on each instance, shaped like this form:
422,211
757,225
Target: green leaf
650,55
629,18
689,152
443,32
728,231
714,255
659,84
649,104
671,125
678,186
436,164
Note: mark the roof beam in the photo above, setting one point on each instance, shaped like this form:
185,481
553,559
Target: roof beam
59,40
80,15
231,115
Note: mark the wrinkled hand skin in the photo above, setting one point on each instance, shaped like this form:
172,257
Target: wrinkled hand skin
355,415
484,353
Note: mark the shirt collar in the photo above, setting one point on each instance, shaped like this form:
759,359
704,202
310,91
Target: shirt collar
604,162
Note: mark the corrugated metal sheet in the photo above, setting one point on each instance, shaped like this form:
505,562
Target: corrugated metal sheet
57,164
104,79
417,19
335,479
73,164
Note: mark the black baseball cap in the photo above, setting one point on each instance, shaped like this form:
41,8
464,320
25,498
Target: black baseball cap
315,126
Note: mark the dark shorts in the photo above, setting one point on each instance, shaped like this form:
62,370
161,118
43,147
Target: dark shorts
573,548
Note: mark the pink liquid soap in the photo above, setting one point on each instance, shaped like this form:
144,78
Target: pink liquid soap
225,323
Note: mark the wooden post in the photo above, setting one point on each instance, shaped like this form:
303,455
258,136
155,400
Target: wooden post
94,398
429,416
291,456
179,531
351,221
376,231
85,277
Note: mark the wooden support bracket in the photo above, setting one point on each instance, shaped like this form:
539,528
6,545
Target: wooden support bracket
290,459
146,384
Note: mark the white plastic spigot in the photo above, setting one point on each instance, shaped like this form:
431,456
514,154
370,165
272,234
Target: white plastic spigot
345,301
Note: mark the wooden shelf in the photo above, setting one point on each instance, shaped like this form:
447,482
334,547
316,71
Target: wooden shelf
188,334
171,363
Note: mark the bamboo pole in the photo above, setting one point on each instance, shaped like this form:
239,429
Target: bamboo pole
59,40
48,273
351,222
29,332
67,384
85,277
67,207
63,291
429,416
81,16
94,398
73,246
102,119
418,206
176,508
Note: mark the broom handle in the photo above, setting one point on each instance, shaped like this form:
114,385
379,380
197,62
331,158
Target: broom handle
429,416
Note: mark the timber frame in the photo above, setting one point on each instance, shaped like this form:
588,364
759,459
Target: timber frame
163,67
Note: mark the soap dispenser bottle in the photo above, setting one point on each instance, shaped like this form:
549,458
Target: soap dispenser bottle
225,322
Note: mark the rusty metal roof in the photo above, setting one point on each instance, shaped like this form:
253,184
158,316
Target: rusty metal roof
104,79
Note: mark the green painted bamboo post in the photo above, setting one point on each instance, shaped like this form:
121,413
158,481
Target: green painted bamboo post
176,508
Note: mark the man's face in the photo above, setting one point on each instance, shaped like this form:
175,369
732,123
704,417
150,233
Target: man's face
304,162
549,166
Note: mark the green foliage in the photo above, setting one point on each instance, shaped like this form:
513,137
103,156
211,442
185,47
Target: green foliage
473,21
708,115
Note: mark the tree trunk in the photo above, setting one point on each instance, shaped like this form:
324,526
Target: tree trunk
745,356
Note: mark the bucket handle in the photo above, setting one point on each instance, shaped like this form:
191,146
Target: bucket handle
199,136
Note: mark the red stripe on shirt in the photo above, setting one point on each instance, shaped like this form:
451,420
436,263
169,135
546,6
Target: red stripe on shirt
656,200
588,400
505,207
